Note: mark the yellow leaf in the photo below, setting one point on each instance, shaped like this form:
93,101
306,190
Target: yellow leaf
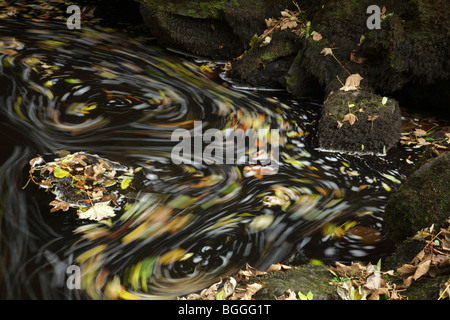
92,252
125,183
172,256
204,68
60,173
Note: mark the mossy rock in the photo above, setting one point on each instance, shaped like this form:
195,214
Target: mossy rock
423,200
267,66
218,29
363,135
425,288
314,278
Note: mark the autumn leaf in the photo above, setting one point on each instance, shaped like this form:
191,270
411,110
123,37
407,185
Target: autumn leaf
288,24
60,173
420,133
316,36
59,205
355,59
352,82
266,41
99,211
326,51
350,118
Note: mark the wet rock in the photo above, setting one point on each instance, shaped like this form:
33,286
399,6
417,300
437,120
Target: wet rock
219,29
423,200
358,121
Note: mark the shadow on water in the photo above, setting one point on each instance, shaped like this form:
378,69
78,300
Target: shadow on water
181,227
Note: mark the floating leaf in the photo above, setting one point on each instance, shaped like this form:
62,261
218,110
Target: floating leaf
172,256
392,178
73,81
262,222
99,211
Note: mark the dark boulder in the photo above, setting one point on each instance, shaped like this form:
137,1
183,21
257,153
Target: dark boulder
359,121
423,200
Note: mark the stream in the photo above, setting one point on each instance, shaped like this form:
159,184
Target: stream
180,227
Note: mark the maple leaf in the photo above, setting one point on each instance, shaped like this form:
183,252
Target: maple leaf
352,82
99,211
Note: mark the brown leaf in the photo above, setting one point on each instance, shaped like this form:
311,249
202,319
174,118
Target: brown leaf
420,133
249,272
288,295
352,82
422,269
326,51
288,24
278,267
350,118
355,59
317,36
355,270
59,205
406,269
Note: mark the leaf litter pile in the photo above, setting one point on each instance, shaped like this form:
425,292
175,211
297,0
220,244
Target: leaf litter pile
89,183
352,282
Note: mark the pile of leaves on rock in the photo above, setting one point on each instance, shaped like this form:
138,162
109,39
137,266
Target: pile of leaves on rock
358,282
353,282
83,181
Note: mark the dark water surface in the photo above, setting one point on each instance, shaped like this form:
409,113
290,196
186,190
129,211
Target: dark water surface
101,92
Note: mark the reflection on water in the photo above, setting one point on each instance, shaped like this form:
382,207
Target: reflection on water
181,226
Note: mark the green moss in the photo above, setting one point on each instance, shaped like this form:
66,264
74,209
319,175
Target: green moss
292,81
192,12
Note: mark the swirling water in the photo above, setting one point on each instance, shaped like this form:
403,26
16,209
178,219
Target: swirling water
102,92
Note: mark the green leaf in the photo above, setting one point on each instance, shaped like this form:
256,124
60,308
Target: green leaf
308,296
220,295
73,81
384,100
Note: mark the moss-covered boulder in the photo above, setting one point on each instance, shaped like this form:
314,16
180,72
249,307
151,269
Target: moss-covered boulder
359,121
267,66
219,29
423,200
305,278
